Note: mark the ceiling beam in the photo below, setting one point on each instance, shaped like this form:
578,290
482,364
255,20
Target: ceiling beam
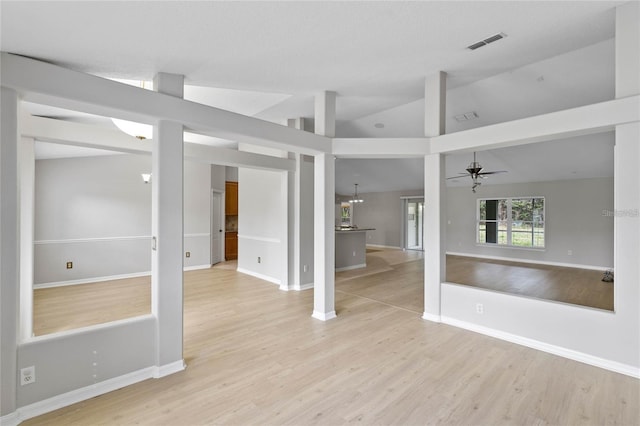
88,136
49,84
380,147
589,119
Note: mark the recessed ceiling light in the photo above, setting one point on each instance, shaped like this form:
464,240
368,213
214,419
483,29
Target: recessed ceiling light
379,125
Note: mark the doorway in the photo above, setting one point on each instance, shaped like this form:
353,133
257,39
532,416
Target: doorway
414,220
217,231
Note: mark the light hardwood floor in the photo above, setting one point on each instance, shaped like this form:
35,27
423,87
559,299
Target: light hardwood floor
256,357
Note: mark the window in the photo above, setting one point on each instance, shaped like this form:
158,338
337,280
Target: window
515,222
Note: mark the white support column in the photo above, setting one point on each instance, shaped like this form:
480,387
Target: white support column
168,231
284,237
626,182
435,101
434,198
9,250
324,237
325,114
293,213
300,212
627,48
434,234
26,150
296,123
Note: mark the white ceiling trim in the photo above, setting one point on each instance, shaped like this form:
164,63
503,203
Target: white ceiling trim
88,136
381,147
589,119
57,86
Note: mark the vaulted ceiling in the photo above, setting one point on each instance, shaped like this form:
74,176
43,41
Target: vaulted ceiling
268,59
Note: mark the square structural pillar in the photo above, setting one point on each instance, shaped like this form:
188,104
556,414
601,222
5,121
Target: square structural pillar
324,237
168,233
325,114
435,104
434,234
9,249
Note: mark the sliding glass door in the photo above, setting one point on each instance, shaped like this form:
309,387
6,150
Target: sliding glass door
414,213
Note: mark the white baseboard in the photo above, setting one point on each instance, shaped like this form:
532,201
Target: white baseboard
257,275
88,392
303,287
617,367
431,317
297,287
196,267
349,268
11,419
82,394
91,280
324,316
382,246
535,262
167,369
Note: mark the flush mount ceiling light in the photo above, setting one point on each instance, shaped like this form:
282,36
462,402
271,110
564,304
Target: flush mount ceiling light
356,199
137,130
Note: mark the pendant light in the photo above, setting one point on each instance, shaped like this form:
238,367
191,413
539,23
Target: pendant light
356,199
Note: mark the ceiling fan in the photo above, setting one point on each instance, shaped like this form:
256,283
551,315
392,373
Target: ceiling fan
474,170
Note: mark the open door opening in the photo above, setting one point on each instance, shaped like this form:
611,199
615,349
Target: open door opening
414,219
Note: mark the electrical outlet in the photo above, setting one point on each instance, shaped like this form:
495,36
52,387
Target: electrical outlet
305,268
69,265
354,253
259,259
188,254
570,252
479,308
27,375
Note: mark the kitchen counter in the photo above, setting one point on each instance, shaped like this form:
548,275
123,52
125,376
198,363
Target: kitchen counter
351,248
354,229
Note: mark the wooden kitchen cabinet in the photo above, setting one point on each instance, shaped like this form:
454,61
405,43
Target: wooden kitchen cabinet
230,245
231,199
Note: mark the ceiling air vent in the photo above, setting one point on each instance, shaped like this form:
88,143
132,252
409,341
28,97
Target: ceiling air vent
486,41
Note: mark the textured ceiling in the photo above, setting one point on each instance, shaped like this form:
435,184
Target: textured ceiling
268,59
375,55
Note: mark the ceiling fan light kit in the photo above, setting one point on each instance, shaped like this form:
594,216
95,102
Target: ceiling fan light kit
474,171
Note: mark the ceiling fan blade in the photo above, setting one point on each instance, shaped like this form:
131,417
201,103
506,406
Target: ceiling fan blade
493,172
461,175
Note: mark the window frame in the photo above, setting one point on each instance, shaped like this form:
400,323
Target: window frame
509,221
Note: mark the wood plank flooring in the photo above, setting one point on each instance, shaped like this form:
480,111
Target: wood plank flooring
256,357
568,285
74,306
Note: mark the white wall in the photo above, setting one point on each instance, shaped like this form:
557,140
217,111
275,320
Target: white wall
573,214
382,211
262,221
96,213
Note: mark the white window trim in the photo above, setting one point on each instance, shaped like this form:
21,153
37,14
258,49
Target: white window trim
509,220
